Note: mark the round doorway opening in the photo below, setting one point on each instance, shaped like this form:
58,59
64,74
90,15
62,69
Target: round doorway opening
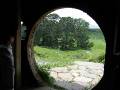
66,49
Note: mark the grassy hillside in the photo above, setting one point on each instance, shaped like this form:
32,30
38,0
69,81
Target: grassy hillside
56,57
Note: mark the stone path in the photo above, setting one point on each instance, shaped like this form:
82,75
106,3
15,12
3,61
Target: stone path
78,76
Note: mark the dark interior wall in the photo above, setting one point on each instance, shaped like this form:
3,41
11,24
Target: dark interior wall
8,18
103,12
9,25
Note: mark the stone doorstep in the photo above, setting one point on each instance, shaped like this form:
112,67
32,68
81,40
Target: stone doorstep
74,74
88,75
65,76
83,76
69,86
82,79
54,74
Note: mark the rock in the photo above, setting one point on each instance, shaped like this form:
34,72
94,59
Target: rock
59,69
75,74
82,79
65,76
54,74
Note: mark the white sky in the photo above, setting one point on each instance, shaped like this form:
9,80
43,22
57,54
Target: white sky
76,13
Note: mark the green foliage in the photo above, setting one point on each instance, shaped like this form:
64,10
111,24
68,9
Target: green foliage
45,75
64,33
58,57
101,58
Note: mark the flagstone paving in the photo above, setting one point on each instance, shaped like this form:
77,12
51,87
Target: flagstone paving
78,76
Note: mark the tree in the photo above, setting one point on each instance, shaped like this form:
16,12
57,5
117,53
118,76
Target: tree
66,29
44,34
62,32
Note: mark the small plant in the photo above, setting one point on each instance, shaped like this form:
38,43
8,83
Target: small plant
101,58
45,75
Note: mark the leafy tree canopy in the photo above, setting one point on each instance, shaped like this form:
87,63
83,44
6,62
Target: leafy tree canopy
65,33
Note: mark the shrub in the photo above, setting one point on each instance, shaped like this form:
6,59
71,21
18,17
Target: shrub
101,58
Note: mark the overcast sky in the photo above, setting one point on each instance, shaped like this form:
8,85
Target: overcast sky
76,13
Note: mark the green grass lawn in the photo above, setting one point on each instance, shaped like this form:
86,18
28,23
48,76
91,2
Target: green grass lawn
56,57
